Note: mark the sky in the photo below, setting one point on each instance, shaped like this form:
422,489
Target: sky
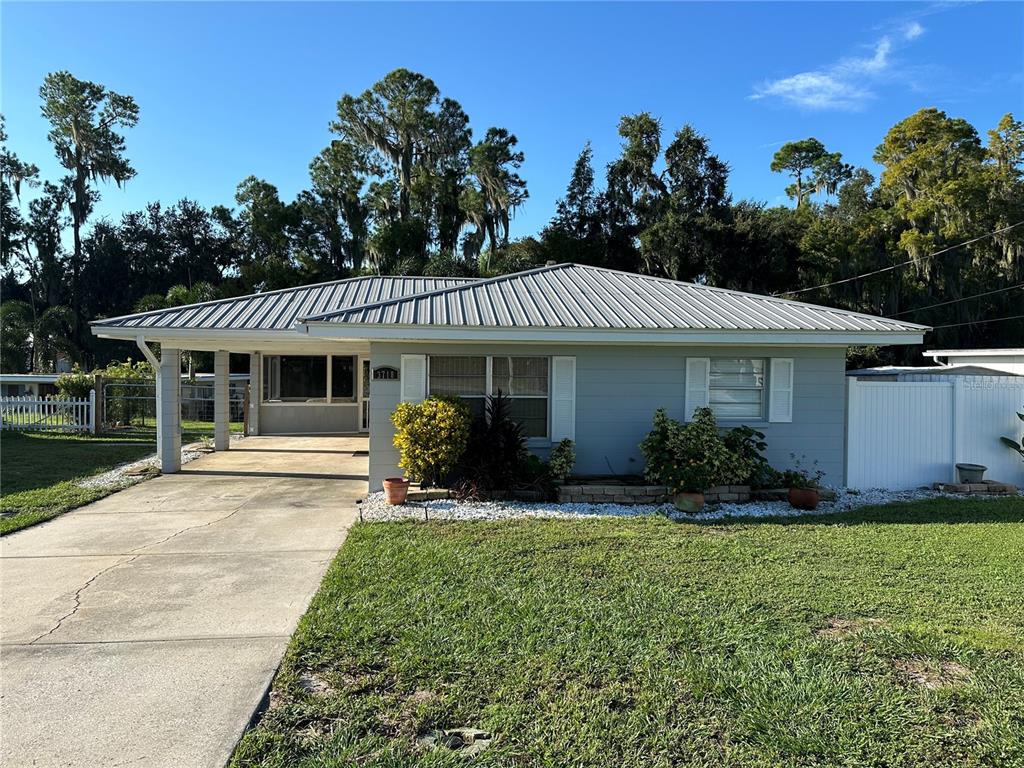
228,90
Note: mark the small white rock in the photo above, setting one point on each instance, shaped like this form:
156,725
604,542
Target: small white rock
376,509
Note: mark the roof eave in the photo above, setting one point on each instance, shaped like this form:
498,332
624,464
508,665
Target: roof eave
378,332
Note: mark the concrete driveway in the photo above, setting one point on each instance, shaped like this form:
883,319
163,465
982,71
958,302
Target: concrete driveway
144,629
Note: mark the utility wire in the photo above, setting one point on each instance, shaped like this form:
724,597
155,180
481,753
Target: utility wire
902,263
976,322
955,301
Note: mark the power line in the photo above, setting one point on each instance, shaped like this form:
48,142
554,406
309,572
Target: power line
902,263
976,322
954,301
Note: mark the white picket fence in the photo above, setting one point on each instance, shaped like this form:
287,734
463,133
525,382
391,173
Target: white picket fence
907,434
29,414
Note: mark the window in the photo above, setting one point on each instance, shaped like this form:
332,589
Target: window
524,380
303,378
464,377
736,388
343,378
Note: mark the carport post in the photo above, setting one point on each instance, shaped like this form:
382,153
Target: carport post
168,410
255,392
221,401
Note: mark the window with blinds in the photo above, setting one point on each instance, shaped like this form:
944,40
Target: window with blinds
736,388
524,380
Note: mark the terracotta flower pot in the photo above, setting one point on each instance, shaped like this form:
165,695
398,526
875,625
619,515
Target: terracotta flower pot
690,503
804,498
396,489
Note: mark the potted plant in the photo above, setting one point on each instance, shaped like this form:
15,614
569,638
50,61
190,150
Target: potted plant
396,490
804,485
688,459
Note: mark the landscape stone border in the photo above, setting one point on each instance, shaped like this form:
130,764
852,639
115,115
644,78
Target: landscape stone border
984,488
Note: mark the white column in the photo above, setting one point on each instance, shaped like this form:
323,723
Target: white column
255,392
221,401
168,410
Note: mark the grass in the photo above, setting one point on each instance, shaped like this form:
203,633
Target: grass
191,431
890,636
38,470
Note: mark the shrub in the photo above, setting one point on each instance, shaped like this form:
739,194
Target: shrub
747,445
431,437
563,459
690,458
798,477
75,385
496,454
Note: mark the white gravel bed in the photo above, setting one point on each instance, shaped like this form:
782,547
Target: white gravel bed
125,475
376,509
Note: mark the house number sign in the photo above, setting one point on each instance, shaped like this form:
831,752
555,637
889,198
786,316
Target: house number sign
385,373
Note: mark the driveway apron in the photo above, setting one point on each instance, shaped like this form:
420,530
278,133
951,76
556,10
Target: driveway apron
144,629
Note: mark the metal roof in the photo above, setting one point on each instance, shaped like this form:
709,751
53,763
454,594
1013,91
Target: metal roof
577,296
280,310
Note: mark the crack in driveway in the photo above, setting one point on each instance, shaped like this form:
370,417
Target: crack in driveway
78,598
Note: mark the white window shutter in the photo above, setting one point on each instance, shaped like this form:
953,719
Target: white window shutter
563,398
698,372
780,390
414,378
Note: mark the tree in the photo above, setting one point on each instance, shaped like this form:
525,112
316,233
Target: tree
824,170
84,117
575,233
494,163
394,118
339,176
682,243
13,174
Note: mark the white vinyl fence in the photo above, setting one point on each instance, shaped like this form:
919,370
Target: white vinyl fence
28,413
907,434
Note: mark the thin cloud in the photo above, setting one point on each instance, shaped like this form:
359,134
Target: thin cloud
845,85
912,31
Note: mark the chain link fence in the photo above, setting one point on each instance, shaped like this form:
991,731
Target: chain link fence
132,403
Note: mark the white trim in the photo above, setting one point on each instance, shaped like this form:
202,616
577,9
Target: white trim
413,378
780,389
611,336
697,392
309,336
562,405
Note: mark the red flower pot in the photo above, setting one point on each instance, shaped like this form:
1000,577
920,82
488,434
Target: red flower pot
804,498
396,489
690,503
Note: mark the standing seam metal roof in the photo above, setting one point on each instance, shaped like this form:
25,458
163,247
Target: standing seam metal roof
579,296
282,309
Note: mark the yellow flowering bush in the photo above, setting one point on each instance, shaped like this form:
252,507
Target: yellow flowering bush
431,437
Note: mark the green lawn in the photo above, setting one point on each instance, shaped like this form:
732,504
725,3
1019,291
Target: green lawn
191,431
37,470
893,636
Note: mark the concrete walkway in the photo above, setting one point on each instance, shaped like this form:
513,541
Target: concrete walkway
144,629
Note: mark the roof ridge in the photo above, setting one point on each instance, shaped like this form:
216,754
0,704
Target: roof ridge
471,282
635,275
214,302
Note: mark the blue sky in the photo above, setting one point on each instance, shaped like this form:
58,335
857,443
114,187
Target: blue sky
228,90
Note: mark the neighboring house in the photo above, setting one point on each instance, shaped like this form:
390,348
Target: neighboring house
585,353
28,384
1010,360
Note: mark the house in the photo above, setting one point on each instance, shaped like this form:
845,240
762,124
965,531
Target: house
584,353
28,384
1009,360
926,372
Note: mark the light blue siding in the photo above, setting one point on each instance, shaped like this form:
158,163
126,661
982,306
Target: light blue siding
618,388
